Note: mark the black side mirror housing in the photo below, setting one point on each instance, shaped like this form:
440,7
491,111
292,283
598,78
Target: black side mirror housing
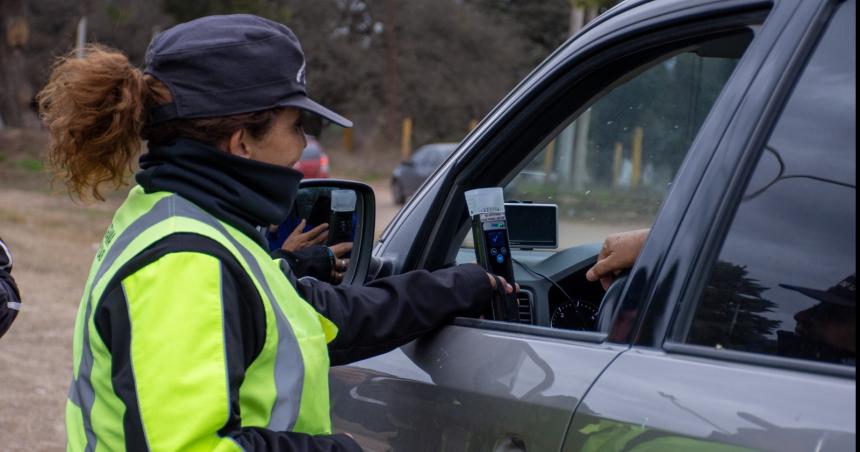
350,209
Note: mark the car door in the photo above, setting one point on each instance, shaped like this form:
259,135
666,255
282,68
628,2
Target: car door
481,385
750,339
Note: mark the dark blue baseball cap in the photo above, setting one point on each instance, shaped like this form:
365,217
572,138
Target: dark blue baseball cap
228,65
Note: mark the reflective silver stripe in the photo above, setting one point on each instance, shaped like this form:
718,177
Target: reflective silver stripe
14,305
289,365
82,392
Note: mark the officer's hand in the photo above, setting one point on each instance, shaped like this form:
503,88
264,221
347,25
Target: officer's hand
340,264
508,287
298,239
618,253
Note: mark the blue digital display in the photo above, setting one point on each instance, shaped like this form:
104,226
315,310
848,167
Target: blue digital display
497,238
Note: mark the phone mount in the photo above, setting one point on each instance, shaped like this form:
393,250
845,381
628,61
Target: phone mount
492,246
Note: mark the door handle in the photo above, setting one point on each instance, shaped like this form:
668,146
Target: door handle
511,443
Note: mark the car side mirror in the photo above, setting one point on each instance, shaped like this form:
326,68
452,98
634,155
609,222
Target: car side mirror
408,163
349,209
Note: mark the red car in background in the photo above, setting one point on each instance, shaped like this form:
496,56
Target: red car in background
314,161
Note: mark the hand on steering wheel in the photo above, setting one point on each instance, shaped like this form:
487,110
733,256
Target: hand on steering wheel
618,254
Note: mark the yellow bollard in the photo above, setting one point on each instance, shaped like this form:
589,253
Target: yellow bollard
347,140
549,158
638,136
616,164
406,139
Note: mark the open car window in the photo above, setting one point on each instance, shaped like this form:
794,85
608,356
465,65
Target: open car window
611,167
608,169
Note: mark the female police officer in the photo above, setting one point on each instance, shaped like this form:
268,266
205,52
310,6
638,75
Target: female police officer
189,336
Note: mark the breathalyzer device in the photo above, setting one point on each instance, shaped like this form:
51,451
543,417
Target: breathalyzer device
492,247
340,218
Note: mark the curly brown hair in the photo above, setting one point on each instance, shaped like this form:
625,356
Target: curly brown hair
95,111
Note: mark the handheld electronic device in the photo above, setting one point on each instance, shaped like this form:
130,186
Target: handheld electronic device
340,219
492,248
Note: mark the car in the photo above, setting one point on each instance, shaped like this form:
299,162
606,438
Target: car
412,172
314,162
727,127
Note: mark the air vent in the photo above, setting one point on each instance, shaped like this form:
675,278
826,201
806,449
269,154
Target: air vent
524,301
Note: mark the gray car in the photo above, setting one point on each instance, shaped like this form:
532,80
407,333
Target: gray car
728,128
411,173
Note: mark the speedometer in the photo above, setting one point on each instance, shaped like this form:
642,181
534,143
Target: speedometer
574,315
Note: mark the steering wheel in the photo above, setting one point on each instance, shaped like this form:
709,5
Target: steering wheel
611,302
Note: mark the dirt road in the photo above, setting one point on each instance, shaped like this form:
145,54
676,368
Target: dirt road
53,241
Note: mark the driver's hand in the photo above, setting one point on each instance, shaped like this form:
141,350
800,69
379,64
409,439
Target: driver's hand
298,239
618,253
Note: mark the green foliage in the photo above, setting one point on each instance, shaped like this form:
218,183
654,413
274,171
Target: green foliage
593,3
30,164
183,10
117,15
600,204
543,24
452,61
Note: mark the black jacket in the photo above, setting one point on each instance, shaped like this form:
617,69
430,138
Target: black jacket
10,298
371,319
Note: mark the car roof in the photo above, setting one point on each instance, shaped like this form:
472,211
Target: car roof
312,151
438,147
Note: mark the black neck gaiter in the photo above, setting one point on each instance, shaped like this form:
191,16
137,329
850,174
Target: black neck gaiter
242,192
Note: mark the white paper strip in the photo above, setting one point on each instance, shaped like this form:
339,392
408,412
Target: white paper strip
485,200
343,200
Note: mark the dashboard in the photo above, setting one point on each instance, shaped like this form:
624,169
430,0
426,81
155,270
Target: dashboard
554,284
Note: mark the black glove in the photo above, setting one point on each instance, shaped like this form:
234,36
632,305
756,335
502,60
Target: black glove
504,306
10,298
316,261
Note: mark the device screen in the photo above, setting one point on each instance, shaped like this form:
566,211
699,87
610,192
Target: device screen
498,252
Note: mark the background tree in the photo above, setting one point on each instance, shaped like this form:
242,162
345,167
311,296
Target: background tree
733,313
446,62
15,89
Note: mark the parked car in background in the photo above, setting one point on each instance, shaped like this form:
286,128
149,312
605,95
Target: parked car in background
411,173
728,128
314,163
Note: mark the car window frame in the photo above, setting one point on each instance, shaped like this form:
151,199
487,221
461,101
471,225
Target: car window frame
397,250
819,16
662,46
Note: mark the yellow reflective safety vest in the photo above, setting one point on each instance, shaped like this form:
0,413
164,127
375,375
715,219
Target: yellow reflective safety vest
285,388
